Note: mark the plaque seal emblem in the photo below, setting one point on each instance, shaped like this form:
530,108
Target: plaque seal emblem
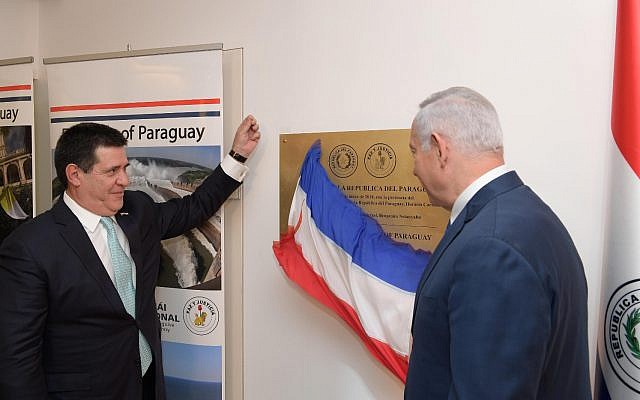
380,160
343,160
200,315
620,334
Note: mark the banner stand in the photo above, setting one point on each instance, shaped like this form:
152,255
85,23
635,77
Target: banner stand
233,216
16,61
232,73
132,53
17,144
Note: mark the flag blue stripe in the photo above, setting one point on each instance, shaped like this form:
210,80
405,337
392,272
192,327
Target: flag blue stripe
123,117
14,98
357,233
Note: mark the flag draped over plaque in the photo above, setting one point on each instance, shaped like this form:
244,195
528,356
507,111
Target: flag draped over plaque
342,257
618,363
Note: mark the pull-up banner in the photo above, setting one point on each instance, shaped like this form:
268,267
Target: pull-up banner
16,145
169,107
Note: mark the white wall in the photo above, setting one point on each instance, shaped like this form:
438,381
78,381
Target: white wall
356,65
18,28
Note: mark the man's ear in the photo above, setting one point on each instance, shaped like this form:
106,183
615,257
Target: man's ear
441,147
73,174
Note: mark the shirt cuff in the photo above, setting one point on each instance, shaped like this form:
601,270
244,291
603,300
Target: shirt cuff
234,168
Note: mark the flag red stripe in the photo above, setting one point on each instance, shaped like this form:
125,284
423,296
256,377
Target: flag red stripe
137,104
14,87
625,110
292,261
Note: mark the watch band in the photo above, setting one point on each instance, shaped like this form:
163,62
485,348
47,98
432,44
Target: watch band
237,156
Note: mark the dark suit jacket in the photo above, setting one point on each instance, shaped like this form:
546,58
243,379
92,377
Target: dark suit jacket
501,310
65,333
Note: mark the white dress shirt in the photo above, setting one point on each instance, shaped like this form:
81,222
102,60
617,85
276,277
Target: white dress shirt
234,168
472,189
98,235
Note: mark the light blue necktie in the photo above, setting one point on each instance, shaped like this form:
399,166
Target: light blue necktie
123,273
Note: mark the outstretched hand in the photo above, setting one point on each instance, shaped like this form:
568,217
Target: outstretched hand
247,136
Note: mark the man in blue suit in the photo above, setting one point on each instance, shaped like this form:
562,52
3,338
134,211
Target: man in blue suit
78,282
501,310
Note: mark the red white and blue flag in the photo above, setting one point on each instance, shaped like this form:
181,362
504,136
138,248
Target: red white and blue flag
618,362
159,122
341,256
142,110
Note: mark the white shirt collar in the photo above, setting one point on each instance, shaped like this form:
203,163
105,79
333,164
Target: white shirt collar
88,219
473,188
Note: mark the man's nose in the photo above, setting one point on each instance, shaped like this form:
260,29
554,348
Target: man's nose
123,178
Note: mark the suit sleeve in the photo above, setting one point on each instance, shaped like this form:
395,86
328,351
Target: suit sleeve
179,215
500,321
23,306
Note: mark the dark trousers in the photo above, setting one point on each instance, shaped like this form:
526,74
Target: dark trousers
149,383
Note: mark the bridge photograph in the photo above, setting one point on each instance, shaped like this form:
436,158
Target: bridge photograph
16,177
192,260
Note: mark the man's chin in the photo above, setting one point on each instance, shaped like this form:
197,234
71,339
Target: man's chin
115,207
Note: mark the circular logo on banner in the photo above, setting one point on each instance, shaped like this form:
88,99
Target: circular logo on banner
380,160
621,328
201,315
343,160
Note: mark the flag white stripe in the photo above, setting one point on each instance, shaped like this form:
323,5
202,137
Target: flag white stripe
384,310
621,253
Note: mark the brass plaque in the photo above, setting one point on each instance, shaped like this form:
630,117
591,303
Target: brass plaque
375,170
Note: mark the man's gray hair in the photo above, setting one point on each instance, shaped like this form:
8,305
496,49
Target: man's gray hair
464,116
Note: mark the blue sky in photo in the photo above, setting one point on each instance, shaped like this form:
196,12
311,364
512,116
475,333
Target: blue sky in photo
14,137
206,156
192,362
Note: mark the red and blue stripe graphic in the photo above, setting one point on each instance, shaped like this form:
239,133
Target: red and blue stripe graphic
341,256
89,108
14,97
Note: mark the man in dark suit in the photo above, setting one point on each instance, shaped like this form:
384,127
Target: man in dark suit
78,282
501,309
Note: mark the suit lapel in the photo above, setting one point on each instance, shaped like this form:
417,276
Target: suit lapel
490,191
130,230
76,237
450,234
